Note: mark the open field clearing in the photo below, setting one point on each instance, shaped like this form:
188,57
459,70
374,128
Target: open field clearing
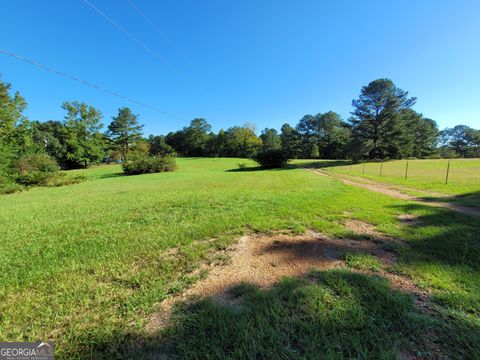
368,276
428,175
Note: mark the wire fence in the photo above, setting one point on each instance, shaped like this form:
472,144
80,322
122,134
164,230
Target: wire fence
446,171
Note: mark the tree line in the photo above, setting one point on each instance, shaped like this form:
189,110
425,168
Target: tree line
382,125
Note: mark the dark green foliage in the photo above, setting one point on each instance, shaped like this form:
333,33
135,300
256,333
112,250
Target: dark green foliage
197,136
242,166
13,124
147,165
7,172
22,161
198,140
420,135
306,129
375,116
193,140
314,152
125,130
159,147
81,136
273,158
333,135
35,169
462,140
291,141
31,170
241,141
270,139
321,136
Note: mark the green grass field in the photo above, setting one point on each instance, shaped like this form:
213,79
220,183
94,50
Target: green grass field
430,175
85,265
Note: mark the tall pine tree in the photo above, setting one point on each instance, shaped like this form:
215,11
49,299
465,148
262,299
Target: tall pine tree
125,130
376,113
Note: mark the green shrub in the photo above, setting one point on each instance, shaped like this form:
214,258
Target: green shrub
242,166
8,186
61,179
35,169
273,158
147,165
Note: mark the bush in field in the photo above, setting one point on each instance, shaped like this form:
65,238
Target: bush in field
7,180
35,169
61,179
272,158
8,186
147,165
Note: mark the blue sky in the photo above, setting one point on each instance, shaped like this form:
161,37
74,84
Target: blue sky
231,62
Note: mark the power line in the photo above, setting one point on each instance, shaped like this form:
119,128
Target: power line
122,29
152,24
32,62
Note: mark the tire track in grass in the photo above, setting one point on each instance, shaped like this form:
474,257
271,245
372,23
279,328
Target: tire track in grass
395,192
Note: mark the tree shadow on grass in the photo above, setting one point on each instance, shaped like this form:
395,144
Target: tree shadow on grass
246,169
335,314
442,235
111,175
471,199
319,164
328,314
259,168
310,165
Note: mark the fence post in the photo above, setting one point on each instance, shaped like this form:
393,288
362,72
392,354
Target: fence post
448,171
381,168
363,171
406,170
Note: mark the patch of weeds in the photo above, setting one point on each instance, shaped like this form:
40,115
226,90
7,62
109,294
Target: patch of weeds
357,237
362,261
242,289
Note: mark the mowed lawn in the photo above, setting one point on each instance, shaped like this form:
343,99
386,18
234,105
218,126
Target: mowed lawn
85,265
463,183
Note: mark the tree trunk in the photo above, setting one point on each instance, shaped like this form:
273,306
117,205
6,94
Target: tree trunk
375,139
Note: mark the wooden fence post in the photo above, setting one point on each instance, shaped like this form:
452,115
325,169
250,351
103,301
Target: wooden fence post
381,168
406,170
448,171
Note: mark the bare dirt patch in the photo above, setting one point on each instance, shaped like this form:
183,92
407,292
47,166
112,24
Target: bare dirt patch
383,242
363,228
263,260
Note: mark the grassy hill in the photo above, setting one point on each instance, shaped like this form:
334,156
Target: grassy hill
86,265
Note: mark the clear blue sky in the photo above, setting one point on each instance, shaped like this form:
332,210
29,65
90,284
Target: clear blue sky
231,62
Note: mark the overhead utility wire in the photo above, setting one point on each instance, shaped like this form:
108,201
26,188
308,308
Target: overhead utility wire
122,29
24,59
152,24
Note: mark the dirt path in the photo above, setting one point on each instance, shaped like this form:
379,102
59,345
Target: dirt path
264,259
396,192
